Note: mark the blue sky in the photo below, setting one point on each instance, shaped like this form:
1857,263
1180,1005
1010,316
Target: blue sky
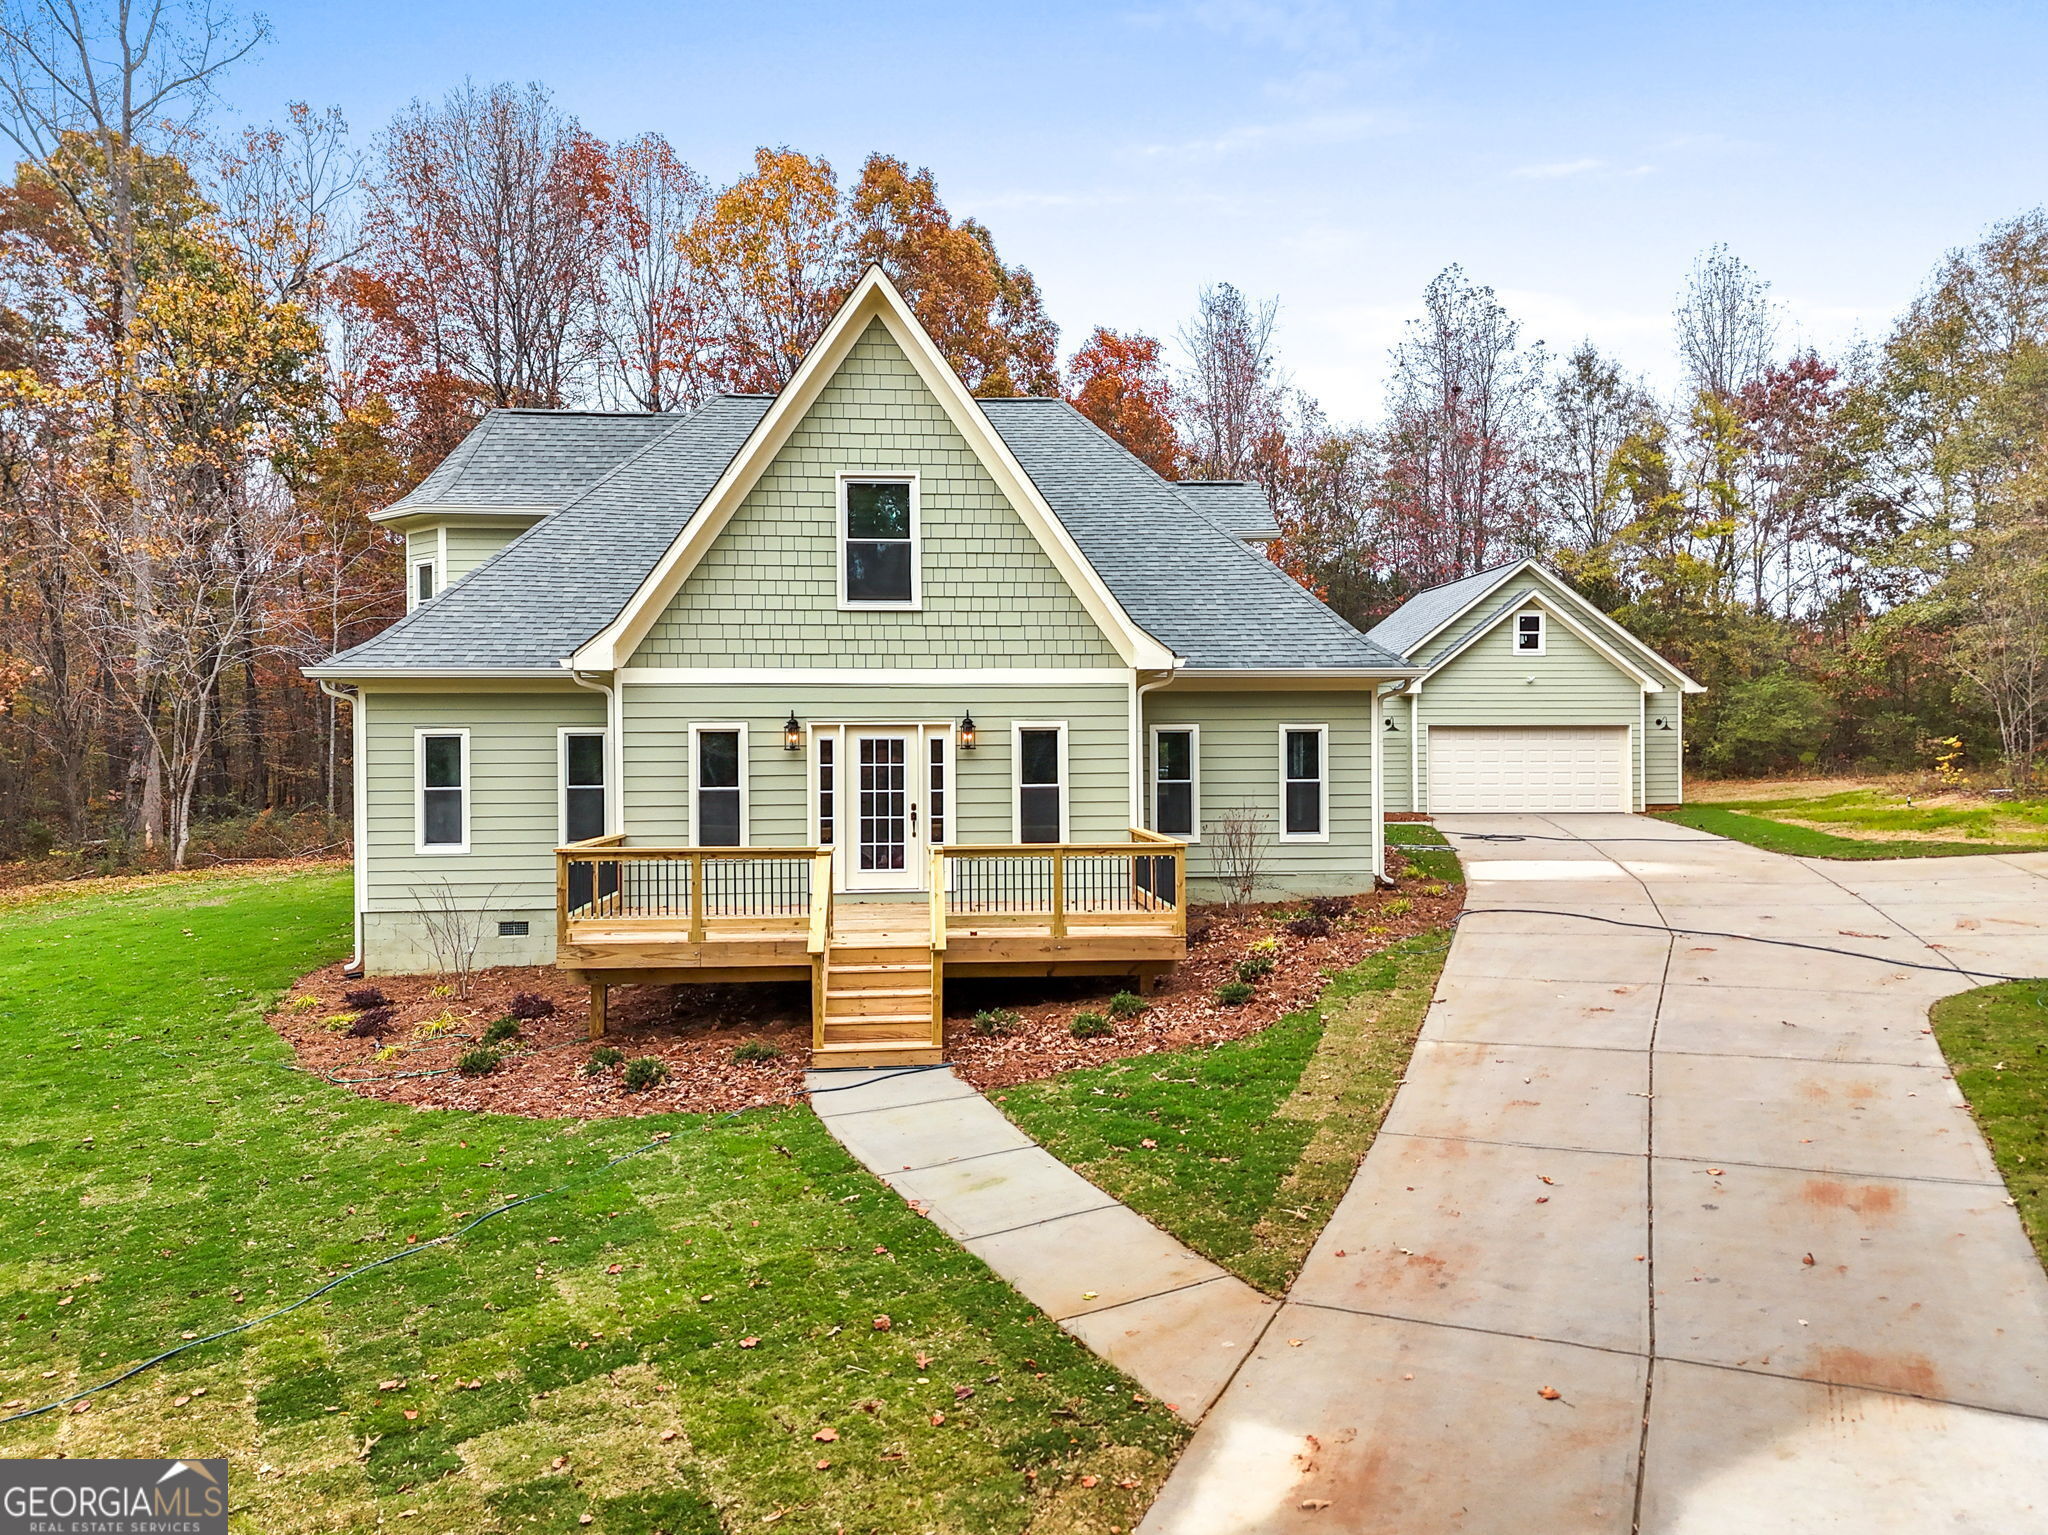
1573,155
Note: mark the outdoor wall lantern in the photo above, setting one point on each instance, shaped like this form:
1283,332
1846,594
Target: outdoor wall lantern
1662,725
1392,726
792,733
965,734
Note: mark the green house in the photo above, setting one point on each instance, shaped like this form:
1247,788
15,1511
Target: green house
868,682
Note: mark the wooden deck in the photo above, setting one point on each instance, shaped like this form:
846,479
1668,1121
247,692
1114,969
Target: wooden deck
652,916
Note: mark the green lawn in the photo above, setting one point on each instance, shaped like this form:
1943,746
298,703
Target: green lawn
1428,852
1996,1041
1253,1142
162,1174
1889,827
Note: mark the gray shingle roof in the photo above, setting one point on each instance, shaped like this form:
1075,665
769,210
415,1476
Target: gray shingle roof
1236,506
533,458
568,576
1190,584
1429,610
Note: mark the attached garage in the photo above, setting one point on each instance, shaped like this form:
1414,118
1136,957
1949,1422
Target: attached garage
1529,769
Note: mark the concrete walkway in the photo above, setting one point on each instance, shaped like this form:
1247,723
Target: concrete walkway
1685,1234
1173,1321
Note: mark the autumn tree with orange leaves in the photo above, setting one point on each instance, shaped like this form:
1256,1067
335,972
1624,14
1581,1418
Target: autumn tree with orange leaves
1118,381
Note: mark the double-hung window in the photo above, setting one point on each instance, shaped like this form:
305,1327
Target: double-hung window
1304,783
441,767
583,785
718,785
1041,753
425,573
1174,782
878,564
1529,634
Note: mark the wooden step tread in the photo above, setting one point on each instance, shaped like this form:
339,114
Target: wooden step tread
923,1020
880,991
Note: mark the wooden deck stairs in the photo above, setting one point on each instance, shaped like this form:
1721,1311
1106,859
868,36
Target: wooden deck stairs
877,989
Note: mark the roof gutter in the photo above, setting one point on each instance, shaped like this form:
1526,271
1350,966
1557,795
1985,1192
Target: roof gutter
1357,673
325,674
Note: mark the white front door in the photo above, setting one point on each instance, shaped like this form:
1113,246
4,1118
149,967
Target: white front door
884,832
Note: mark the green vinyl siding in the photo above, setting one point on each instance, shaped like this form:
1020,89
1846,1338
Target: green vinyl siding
657,719
768,586
508,874
469,547
1238,768
1664,749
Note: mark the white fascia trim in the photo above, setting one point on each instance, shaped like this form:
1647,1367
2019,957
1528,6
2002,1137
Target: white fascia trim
872,676
874,297
1557,611
366,675
401,513
1380,674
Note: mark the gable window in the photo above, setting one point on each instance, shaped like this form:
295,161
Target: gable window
583,785
1304,783
1174,792
1041,755
878,565
441,766
424,576
1529,634
718,785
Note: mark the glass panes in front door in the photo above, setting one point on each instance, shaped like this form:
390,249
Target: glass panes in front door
879,782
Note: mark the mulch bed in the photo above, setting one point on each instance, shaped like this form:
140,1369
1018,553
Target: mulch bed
693,1030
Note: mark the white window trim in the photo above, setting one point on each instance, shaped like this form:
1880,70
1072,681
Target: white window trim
1194,735
746,777
1323,757
420,844
562,734
1017,729
906,477
1542,632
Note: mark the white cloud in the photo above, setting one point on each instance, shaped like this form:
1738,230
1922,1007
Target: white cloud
1294,133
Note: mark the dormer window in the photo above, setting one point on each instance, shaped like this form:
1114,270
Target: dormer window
1529,634
878,564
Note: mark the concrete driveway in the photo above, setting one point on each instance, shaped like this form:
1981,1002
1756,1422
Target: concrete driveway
1665,1232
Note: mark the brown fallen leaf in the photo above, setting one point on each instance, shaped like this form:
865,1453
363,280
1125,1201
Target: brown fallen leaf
396,1383
824,1465
1128,1483
924,1361
667,1435
883,1324
1089,1481
1315,1505
1543,1199
1807,1260
1149,1145
750,1342
558,1463
411,1413
937,1419
1549,1393
1713,1172
826,1435
614,1268
962,1393
1542,1179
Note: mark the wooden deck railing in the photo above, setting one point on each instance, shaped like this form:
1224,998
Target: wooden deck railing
1143,881
602,881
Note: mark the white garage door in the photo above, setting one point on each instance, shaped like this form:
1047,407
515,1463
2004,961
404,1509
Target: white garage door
1528,768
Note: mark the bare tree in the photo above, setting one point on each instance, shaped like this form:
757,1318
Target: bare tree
1593,410
454,932
1727,324
2001,648
483,231
1460,438
1233,395
653,317
1241,846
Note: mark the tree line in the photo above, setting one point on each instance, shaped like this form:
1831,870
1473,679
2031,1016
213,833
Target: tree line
221,349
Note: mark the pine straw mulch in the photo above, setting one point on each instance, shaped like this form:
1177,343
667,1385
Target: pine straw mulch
693,1030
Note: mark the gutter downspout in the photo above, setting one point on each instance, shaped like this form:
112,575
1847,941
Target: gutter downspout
1417,800
1380,691
360,848
614,749
1138,692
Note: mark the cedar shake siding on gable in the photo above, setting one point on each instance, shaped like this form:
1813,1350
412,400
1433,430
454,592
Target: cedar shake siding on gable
767,591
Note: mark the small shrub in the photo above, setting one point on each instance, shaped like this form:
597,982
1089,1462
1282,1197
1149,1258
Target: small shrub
1312,925
1399,906
502,1030
479,1061
1266,946
1234,993
643,1072
374,1024
1257,968
364,998
754,1052
1127,1004
602,1058
303,1005
995,1022
443,990
387,1053
1089,1026
1329,907
440,1023
338,1021
528,1005
1432,889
